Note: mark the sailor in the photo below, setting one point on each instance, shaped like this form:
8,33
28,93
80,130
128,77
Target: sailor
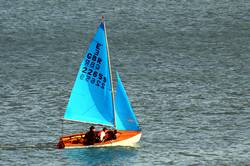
111,135
90,136
101,134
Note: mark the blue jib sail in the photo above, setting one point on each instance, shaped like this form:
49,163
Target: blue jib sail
125,117
91,96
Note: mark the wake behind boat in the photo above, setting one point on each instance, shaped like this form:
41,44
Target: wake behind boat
92,99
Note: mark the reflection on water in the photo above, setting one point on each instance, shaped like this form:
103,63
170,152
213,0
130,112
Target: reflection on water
101,156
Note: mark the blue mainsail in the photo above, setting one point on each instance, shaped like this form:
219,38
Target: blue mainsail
91,97
125,117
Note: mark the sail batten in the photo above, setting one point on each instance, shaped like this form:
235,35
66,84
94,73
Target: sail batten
91,99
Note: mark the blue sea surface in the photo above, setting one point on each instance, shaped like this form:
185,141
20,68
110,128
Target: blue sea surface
184,63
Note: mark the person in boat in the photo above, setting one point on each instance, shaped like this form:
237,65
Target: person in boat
101,134
111,135
90,136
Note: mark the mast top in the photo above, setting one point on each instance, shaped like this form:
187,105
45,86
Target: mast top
103,19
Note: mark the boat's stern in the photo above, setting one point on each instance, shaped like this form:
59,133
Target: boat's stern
60,144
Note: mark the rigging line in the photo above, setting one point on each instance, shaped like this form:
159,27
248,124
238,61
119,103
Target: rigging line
110,72
62,127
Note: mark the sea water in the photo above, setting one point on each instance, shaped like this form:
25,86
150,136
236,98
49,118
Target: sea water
184,63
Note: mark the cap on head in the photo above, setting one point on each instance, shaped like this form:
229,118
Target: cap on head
92,128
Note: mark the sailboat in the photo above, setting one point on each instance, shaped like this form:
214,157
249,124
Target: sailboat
93,100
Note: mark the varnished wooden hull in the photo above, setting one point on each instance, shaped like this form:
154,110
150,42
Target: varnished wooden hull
124,138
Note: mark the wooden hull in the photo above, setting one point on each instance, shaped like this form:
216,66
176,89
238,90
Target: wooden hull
124,138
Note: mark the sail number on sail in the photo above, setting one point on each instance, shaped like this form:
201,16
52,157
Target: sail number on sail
91,69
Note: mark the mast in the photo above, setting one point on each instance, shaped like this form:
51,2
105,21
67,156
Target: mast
110,73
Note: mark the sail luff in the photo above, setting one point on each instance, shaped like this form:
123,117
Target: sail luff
110,73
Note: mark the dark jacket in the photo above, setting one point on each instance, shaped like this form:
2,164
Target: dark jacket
111,135
90,138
